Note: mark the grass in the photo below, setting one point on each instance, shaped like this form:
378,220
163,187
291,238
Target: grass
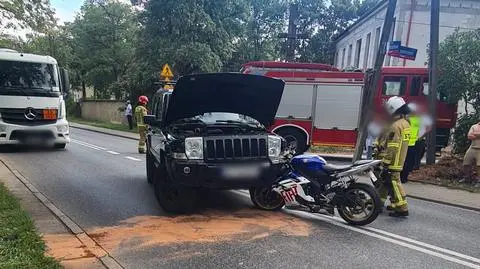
331,149
107,125
20,245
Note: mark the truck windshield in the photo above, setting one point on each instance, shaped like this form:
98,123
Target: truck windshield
28,76
227,118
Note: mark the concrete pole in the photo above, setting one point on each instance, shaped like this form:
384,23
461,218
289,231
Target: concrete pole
372,82
433,76
292,32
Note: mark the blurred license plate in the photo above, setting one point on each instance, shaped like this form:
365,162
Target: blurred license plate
241,171
372,176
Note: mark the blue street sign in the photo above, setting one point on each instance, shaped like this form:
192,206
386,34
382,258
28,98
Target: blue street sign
395,49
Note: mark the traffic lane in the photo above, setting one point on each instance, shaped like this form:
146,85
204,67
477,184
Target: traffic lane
125,218
442,225
249,238
450,227
107,142
91,186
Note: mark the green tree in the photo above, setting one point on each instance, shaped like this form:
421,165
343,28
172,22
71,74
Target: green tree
104,36
459,66
37,15
192,35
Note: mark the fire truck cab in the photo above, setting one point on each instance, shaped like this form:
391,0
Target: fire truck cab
321,104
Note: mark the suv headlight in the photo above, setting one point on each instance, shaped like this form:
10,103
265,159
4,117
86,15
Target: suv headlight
194,148
274,146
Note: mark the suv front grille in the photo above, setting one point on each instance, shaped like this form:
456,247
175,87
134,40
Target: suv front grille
17,116
235,148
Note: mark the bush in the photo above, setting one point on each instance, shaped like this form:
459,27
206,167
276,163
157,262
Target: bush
73,108
460,140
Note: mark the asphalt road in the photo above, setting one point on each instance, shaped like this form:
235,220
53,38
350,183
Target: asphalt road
99,181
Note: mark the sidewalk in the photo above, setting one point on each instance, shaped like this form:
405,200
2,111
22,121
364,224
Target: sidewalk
104,130
416,190
443,195
60,242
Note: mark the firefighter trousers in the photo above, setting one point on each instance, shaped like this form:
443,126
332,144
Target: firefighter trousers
392,187
142,130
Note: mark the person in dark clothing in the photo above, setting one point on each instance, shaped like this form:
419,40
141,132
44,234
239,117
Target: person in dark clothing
414,121
128,114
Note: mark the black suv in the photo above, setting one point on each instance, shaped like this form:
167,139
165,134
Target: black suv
210,132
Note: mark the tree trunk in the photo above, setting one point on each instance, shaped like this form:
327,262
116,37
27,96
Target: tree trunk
84,91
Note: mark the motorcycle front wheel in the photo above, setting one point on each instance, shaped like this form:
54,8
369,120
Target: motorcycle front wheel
265,198
360,205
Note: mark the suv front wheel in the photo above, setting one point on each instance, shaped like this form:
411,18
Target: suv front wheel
172,197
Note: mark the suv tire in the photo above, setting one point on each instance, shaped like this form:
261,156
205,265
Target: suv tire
150,167
172,197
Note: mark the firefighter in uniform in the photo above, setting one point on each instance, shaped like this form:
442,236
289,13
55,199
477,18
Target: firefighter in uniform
140,112
391,148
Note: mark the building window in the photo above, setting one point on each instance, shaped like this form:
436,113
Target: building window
394,86
343,58
358,49
378,32
349,55
335,60
366,56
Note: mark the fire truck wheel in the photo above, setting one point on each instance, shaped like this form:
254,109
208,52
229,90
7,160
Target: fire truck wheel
295,138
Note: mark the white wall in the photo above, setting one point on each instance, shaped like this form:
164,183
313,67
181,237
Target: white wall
454,13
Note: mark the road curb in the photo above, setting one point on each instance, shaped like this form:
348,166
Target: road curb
102,132
100,253
444,203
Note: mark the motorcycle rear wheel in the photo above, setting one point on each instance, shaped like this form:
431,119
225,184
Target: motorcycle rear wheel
364,200
265,198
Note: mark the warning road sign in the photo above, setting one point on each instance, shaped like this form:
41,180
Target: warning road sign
166,72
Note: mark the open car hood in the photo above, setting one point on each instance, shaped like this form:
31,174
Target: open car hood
250,95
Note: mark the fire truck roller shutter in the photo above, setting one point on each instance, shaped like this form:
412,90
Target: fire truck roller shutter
295,136
296,101
338,106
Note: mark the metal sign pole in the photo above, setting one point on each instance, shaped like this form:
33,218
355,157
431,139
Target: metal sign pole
372,85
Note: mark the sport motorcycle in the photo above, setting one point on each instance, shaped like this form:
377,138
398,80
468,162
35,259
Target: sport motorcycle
309,183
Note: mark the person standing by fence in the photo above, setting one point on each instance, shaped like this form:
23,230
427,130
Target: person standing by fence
128,114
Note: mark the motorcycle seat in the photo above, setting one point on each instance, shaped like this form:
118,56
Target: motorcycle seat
332,168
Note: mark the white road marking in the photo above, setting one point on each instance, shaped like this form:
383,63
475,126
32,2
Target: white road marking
113,152
439,249
133,159
88,144
82,144
420,246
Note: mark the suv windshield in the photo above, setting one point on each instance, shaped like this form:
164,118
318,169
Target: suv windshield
226,118
28,76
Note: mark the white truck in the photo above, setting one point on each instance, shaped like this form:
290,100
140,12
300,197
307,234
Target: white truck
32,106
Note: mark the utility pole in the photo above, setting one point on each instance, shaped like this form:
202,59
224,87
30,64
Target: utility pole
372,80
432,81
292,35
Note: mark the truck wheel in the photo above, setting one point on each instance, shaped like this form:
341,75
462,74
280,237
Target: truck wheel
295,138
150,167
173,198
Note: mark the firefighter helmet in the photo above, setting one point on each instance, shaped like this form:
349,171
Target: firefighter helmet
393,104
143,99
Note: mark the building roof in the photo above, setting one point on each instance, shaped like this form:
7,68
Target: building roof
364,17
11,55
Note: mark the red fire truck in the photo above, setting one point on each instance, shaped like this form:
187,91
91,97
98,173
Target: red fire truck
321,104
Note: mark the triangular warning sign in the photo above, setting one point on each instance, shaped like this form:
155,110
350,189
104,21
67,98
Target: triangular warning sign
166,72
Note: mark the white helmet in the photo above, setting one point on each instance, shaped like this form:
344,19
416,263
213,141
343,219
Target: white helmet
393,104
